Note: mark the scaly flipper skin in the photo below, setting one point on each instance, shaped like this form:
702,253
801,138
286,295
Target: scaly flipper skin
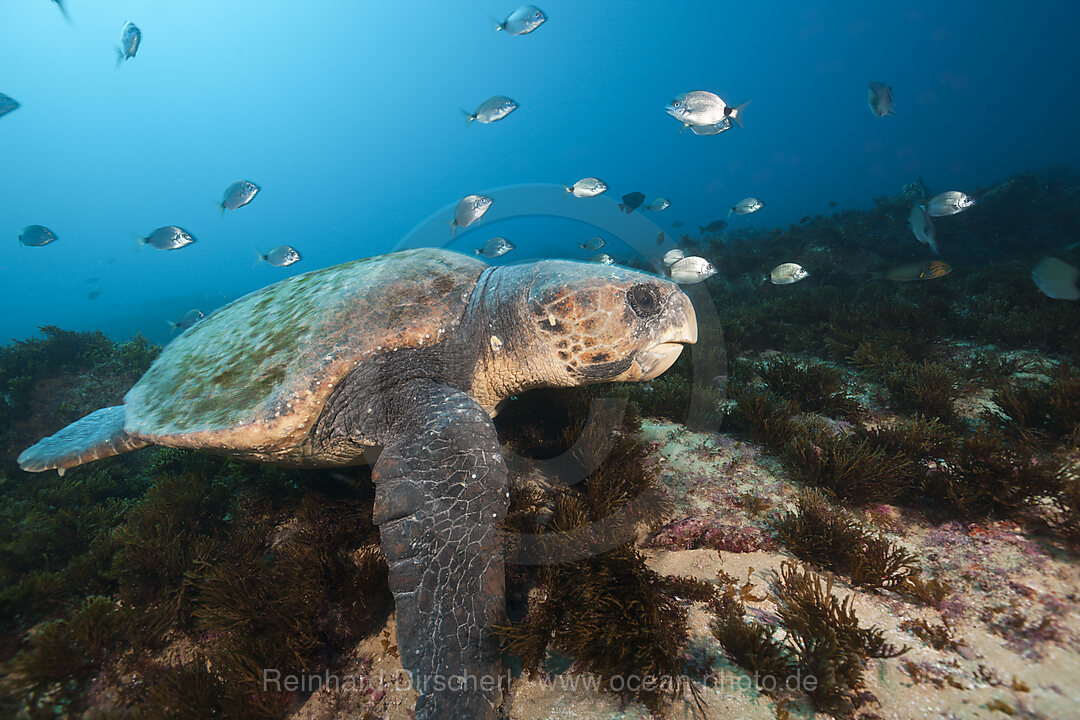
440,494
99,435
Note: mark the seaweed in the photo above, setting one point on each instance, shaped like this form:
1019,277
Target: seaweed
929,388
831,539
623,478
989,475
1052,409
939,637
823,648
1068,504
930,592
66,653
881,564
609,612
754,504
817,532
26,364
287,598
813,387
750,645
207,545
826,636
612,615
764,414
916,437
850,467
186,692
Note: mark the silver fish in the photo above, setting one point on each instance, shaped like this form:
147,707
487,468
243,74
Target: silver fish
495,247
920,224
237,195
7,104
469,209
746,206
187,320
660,203
948,203
691,270
281,256
593,243
787,273
722,126
603,259
703,108
522,21
169,237
673,256
129,42
36,235
879,97
494,108
1056,279
587,187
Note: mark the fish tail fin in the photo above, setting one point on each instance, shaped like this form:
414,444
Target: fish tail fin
259,257
581,245
453,228
99,435
498,25
876,275
568,189
140,240
172,325
736,113
119,57
476,251
730,210
701,230
469,117
221,209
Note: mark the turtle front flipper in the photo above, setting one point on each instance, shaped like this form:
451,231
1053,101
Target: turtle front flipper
99,435
440,494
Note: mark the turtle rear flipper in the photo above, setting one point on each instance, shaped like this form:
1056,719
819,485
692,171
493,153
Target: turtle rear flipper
99,435
440,494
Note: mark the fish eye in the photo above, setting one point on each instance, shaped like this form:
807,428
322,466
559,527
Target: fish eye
644,299
677,103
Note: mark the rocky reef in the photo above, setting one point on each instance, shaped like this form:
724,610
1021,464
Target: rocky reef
855,497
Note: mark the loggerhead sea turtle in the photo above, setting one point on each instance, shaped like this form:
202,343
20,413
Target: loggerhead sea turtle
409,352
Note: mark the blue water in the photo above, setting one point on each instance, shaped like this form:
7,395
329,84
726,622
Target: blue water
347,114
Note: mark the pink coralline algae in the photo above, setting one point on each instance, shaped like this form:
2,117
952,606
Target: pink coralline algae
706,532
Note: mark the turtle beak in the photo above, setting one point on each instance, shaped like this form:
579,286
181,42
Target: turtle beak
661,355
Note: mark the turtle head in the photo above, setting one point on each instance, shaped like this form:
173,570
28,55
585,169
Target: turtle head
607,324
571,323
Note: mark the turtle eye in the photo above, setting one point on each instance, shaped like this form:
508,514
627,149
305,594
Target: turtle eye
644,299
